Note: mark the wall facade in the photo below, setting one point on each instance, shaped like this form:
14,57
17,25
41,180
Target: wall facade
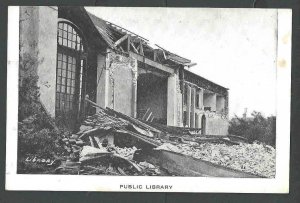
216,122
121,88
38,37
115,79
102,81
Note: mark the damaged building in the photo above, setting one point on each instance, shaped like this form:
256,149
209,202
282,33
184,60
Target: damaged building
82,56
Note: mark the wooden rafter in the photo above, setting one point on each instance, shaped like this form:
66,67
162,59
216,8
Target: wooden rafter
151,63
155,55
119,41
141,48
135,49
128,43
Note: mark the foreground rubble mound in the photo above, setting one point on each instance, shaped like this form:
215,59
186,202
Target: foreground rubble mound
111,143
253,158
107,161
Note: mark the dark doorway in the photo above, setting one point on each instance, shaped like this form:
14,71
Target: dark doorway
203,125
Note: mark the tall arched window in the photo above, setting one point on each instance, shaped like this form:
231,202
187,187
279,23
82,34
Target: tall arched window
70,72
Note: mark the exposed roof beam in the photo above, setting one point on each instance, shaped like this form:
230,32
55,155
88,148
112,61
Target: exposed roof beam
151,63
135,49
119,41
190,64
141,48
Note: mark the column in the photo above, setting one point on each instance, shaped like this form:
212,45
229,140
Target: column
172,101
201,99
134,88
102,74
193,100
214,102
46,25
188,105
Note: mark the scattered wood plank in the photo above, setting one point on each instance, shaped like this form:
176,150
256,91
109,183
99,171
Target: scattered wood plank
133,120
90,132
149,141
144,116
121,171
91,141
149,116
98,141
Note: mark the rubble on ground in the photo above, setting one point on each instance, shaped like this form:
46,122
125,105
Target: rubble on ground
93,151
253,158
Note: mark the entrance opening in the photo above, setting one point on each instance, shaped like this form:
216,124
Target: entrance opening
151,95
203,125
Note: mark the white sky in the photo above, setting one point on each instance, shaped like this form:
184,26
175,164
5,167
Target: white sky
235,48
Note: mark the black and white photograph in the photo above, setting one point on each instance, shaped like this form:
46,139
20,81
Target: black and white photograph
148,99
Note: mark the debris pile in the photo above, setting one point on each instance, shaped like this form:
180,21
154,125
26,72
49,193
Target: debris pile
107,161
107,142
253,158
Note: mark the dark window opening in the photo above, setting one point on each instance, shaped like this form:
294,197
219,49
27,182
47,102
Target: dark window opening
185,97
184,118
191,120
197,100
196,121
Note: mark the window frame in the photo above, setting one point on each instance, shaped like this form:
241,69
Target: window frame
79,55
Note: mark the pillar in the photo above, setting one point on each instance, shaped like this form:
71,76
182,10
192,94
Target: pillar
134,88
188,105
38,39
193,106
102,75
201,99
172,101
214,102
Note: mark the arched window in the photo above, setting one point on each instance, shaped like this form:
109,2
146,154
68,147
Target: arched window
69,37
70,72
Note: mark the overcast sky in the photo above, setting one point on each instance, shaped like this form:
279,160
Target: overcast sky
235,48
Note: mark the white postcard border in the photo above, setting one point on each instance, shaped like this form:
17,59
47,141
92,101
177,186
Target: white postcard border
280,184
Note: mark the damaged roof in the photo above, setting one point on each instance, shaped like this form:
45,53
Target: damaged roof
112,32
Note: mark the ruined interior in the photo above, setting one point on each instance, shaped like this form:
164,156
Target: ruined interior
151,94
220,104
209,101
